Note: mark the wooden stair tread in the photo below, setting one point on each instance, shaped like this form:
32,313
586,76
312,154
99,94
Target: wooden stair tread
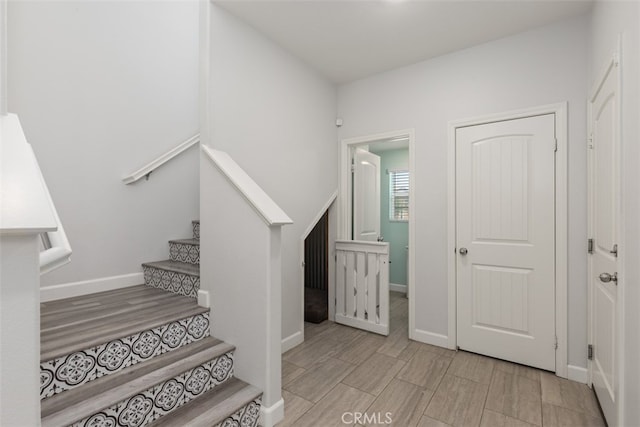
176,266
195,242
77,324
73,405
212,407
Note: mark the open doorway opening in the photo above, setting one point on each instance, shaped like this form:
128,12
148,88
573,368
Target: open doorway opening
394,208
374,246
316,272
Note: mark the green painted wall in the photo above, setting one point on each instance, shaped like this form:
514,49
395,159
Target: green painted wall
394,232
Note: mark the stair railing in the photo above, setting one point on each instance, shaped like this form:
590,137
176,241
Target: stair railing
26,212
240,273
146,170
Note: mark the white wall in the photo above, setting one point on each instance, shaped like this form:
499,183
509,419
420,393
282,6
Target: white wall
609,20
535,68
276,118
101,89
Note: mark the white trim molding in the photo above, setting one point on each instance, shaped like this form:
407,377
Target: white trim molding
272,415
395,287
432,338
85,287
578,374
561,216
161,160
292,340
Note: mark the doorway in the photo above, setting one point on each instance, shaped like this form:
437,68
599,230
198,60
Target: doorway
508,237
362,229
316,272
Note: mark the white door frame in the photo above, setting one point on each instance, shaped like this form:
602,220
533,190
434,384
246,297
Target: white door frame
561,209
344,207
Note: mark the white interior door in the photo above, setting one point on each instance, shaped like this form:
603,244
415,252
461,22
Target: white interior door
603,261
505,238
366,196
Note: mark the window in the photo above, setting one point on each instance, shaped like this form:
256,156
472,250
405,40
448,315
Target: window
399,195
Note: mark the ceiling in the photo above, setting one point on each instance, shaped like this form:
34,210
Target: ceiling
351,39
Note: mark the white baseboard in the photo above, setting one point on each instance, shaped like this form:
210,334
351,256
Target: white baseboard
74,289
430,338
577,373
398,288
291,341
272,415
203,298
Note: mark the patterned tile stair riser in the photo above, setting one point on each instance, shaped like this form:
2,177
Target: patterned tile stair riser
196,229
144,408
245,417
80,367
171,281
184,252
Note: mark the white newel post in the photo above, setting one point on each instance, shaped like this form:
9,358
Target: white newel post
240,273
19,330
25,212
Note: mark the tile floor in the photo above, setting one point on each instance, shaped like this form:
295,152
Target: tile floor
340,371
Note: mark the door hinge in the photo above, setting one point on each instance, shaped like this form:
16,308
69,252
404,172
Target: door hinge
590,246
614,251
590,142
590,352
555,344
556,146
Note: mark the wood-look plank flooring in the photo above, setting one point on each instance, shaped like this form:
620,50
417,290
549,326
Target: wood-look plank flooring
340,371
82,322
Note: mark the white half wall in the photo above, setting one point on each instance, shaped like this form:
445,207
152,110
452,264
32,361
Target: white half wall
275,117
539,67
103,88
610,22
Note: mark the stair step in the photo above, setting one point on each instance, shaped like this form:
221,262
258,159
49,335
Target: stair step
173,276
185,250
148,390
195,225
235,399
85,338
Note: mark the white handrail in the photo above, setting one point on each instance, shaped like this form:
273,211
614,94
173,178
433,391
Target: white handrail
270,212
161,160
59,251
26,205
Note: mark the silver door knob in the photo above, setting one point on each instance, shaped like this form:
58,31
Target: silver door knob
463,251
606,277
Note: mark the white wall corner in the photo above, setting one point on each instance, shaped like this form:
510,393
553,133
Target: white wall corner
270,416
292,341
577,373
92,286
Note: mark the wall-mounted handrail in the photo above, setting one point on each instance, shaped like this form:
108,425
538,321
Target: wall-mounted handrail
270,212
161,160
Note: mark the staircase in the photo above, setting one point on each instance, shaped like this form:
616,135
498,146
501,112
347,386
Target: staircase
142,355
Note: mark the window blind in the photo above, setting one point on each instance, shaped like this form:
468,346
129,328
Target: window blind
399,195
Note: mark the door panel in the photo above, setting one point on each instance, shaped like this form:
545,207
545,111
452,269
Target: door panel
603,223
505,211
366,196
